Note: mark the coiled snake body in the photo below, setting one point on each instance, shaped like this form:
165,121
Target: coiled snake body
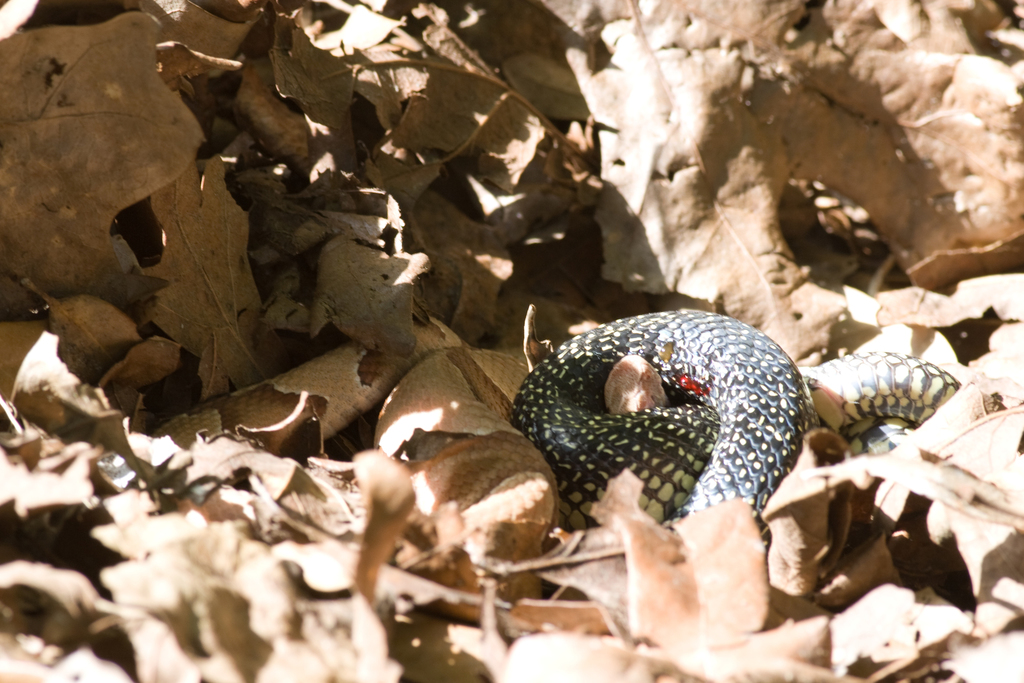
741,407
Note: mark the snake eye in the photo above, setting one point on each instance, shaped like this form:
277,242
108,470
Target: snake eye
666,351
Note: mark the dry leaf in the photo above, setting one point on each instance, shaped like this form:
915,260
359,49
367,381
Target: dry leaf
389,498
93,334
212,298
970,299
367,295
97,85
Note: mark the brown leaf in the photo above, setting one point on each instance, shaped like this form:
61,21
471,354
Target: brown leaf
48,395
940,148
593,562
389,500
93,334
62,205
994,554
39,491
319,81
996,658
549,85
272,124
434,650
578,616
191,25
18,339
480,261
970,299
869,624
860,570
367,295
793,651
57,605
349,378
692,209
187,579
212,297
460,112
561,657
147,362
675,585
725,548
809,518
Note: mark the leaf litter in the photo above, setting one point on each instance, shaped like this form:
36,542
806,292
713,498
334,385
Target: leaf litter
266,267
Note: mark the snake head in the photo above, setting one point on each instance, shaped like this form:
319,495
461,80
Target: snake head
674,368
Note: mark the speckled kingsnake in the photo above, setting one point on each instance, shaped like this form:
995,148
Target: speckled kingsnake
705,360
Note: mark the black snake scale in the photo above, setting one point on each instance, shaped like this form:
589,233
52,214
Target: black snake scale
742,407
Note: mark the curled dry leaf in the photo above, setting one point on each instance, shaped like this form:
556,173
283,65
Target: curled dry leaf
808,519
57,605
994,554
48,395
500,484
271,123
943,483
65,195
147,362
334,388
389,499
675,584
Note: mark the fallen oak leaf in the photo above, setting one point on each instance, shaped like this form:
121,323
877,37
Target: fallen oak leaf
96,85
93,333
212,298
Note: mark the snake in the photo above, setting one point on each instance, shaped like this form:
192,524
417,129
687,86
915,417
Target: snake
738,409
